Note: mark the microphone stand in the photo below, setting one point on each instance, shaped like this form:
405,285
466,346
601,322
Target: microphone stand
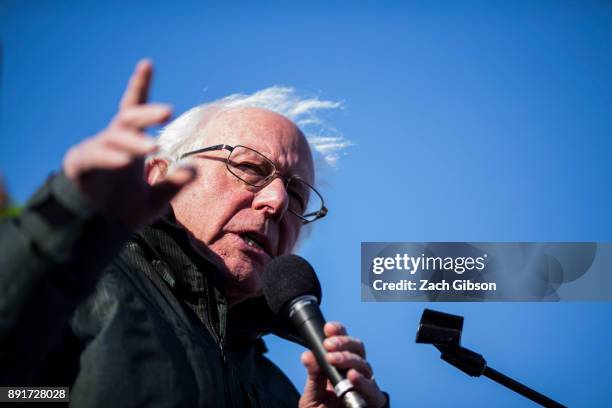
444,330
475,365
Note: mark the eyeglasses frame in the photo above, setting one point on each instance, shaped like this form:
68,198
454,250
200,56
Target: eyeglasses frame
317,214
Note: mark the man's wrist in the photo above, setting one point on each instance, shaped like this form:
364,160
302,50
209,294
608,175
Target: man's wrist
62,222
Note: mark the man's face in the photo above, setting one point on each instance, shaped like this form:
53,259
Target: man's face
224,214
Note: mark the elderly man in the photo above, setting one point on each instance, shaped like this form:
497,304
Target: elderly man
174,316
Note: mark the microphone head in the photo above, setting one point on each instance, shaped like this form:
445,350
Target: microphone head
286,278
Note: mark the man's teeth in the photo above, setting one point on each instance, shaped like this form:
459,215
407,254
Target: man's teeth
251,242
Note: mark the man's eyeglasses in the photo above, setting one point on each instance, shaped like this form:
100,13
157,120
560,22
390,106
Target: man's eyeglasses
255,169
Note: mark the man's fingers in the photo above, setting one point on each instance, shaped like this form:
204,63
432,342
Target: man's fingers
163,191
317,387
346,360
142,116
133,143
96,156
359,373
137,90
345,343
367,388
310,362
334,329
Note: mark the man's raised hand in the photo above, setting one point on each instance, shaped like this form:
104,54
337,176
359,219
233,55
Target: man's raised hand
109,167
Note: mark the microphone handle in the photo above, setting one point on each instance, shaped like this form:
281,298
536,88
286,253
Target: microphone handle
306,317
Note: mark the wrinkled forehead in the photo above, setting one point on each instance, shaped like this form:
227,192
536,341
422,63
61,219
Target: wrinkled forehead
273,135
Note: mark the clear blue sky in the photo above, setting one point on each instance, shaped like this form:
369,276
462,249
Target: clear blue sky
471,121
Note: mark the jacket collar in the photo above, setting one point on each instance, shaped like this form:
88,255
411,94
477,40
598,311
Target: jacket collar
194,279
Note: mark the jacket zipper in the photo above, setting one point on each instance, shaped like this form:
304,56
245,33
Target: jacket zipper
229,402
218,339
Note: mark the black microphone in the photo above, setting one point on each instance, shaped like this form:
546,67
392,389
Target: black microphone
292,290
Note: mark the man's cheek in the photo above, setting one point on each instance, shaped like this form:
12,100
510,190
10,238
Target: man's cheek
288,239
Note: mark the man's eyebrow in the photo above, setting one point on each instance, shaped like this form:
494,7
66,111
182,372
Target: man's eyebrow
282,170
285,173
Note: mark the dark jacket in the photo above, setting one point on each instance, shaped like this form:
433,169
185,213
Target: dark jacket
150,328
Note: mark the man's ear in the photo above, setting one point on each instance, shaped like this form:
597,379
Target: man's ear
156,170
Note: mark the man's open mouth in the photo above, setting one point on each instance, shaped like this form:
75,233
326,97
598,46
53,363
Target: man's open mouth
254,241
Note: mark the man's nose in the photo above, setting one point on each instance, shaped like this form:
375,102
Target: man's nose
273,199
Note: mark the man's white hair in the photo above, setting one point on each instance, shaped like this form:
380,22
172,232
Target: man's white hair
184,133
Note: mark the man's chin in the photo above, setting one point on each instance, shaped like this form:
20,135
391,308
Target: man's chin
243,281
241,269
241,292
